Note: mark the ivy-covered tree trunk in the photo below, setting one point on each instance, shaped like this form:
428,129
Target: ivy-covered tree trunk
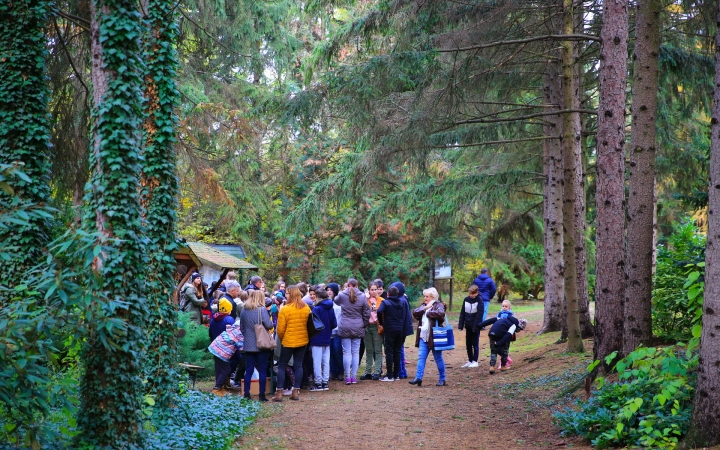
610,197
641,199
110,412
572,171
24,128
704,430
159,196
553,203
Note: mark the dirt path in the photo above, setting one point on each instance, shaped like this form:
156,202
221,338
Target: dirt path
509,410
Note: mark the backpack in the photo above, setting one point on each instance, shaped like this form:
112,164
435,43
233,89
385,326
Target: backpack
183,299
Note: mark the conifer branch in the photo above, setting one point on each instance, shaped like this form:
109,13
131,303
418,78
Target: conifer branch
562,37
529,116
504,141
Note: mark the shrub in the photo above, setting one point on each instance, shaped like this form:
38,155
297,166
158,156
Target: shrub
649,406
192,348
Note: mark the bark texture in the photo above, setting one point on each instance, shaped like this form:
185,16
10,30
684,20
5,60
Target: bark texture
610,197
641,199
704,430
552,204
572,172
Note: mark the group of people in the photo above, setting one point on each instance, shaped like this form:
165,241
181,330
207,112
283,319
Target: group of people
353,322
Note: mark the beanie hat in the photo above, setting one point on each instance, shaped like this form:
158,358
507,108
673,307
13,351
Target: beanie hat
523,323
195,276
335,288
224,307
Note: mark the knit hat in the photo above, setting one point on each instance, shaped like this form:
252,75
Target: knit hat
335,288
523,324
224,307
400,286
195,276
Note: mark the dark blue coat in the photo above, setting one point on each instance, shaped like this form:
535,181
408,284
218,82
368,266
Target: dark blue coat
404,300
499,331
216,327
324,310
486,285
394,315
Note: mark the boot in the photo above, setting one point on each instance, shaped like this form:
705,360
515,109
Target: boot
219,391
278,395
295,394
417,381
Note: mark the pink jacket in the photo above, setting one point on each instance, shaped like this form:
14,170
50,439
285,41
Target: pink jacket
229,341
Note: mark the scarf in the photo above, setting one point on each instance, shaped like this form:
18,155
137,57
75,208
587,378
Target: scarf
219,316
425,327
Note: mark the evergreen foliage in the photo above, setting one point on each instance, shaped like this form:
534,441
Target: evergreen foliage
112,388
24,129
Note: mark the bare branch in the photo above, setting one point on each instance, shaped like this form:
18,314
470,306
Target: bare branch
562,37
529,116
505,141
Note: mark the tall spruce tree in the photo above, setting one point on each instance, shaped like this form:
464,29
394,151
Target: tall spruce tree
610,196
24,129
110,412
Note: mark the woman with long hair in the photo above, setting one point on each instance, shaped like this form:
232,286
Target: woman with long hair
254,313
373,338
292,331
355,318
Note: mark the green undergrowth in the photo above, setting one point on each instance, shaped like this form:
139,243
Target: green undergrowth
192,348
199,421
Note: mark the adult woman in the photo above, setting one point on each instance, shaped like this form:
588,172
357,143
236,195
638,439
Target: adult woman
355,318
252,314
373,339
431,313
194,298
292,331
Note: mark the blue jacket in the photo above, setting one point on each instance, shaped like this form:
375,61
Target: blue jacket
500,330
471,314
486,285
404,300
216,327
324,310
394,315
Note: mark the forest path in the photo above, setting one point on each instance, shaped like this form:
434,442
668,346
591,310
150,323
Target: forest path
508,410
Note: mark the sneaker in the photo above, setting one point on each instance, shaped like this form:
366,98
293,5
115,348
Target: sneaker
376,377
287,392
467,364
492,370
353,380
325,387
504,368
316,387
387,379
348,380
473,364
367,376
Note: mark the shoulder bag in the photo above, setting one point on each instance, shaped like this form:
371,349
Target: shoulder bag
263,338
443,338
314,325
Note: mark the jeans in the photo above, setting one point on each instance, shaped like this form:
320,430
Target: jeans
423,352
394,341
501,350
486,305
373,350
255,360
351,356
321,363
297,354
403,370
336,357
308,368
222,371
472,344
234,364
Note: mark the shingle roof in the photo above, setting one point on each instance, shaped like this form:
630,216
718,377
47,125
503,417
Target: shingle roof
218,259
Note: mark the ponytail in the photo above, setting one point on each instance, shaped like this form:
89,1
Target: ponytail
352,285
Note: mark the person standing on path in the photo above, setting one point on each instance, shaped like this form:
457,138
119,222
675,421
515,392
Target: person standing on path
409,331
292,331
394,316
254,313
471,315
336,357
487,289
355,318
430,313
373,338
320,343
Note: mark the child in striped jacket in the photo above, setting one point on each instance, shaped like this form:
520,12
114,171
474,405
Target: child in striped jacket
223,348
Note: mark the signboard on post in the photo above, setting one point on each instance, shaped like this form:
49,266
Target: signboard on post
443,268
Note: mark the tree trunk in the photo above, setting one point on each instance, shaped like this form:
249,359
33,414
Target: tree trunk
553,204
159,196
110,413
641,200
24,132
704,430
572,171
610,196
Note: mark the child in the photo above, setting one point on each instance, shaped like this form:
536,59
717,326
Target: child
500,335
320,343
471,315
504,313
223,348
